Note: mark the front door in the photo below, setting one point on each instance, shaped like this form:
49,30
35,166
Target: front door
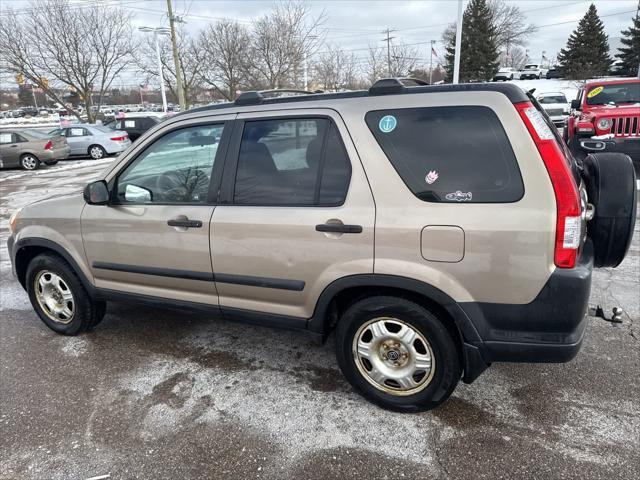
153,239
295,213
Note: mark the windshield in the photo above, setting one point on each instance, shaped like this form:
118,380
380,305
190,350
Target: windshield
552,99
614,94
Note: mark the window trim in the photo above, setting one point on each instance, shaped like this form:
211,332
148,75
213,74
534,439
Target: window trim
214,179
442,202
227,189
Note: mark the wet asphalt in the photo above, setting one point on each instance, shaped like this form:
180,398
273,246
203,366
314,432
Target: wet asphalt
163,394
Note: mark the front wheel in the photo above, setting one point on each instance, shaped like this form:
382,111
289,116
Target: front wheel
29,162
397,354
97,152
59,298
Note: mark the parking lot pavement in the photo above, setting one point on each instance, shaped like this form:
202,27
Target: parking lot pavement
153,393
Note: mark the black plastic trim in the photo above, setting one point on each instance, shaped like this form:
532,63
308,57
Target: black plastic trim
338,228
156,271
264,282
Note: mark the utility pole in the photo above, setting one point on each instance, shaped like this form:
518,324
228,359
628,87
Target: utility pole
176,58
388,40
433,42
456,60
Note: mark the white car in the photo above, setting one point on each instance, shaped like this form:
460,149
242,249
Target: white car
556,105
532,71
505,73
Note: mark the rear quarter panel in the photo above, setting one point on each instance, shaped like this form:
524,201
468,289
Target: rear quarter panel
508,247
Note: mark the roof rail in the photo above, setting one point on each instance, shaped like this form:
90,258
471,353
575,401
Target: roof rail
257,97
386,86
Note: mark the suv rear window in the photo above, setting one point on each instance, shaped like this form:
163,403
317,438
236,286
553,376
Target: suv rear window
449,154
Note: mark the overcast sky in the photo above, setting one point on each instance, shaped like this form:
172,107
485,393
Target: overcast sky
355,24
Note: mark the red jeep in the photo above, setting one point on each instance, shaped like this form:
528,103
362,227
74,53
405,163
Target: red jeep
606,117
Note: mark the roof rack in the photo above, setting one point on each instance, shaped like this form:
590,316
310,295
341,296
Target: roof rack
257,97
386,86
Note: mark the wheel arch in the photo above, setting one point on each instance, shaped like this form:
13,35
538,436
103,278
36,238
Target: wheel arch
341,293
27,249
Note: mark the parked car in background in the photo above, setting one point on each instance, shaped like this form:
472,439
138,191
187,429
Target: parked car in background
605,117
532,71
29,148
504,74
96,141
554,72
135,124
556,105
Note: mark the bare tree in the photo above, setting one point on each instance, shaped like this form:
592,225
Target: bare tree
516,57
336,69
403,59
509,23
191,59
226,46
55,46
282,40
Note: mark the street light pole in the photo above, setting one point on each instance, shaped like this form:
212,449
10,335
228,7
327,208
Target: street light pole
431,62
456,61
176,58
156,31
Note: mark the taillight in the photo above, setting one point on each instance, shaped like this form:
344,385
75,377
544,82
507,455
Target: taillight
568,223
48,145
120,139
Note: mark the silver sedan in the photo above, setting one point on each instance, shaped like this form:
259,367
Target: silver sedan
96,141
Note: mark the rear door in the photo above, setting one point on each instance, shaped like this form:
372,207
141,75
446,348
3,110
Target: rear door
78,139
9,149
295,213
153,238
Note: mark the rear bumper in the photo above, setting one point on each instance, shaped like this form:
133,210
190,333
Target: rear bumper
55,154
627,145
116,147
550,329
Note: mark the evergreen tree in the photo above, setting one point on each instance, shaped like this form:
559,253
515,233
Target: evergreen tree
587,51
630,53
479,53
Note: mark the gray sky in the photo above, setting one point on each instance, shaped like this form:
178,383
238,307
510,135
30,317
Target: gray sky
355,24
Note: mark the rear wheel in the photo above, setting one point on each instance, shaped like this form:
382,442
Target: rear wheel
97,152
28,161
59,298
611,187
397,354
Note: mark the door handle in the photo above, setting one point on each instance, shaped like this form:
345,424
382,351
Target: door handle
338,228
184,223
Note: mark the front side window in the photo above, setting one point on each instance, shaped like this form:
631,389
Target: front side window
175,169
286,162
449,154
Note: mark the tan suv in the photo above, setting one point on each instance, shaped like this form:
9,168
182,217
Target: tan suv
436,229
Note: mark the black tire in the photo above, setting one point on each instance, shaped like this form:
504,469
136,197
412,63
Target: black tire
86,312
51,162
96,152
29,161
611,187
447,370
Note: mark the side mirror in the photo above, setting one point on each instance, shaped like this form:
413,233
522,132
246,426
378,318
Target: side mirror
575,104
134,193
96,193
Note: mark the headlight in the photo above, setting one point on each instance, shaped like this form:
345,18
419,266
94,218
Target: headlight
13,220
604,124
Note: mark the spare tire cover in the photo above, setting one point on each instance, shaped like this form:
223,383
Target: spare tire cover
611,187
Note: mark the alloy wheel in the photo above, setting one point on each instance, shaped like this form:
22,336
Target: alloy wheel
54,297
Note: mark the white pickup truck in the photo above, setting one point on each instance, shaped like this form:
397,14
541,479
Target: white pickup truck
531,71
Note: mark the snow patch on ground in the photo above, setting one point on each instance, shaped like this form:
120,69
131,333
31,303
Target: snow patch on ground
75,346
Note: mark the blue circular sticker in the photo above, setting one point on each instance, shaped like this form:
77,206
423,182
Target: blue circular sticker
387,123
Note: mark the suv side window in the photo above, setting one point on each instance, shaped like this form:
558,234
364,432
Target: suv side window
449,154
176,168
287,162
